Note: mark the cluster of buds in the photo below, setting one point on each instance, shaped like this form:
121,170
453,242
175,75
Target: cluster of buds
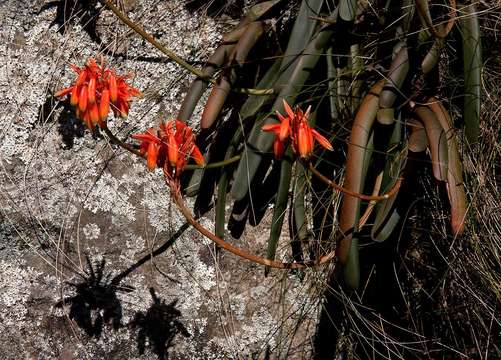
96,90
295,128
169,148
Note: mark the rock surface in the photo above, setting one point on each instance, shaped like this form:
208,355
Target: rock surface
156,289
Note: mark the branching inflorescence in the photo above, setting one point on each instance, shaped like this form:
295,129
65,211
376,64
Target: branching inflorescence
392,107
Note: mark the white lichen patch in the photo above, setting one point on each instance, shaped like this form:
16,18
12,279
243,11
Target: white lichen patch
91,231
111,195
65,190
14,292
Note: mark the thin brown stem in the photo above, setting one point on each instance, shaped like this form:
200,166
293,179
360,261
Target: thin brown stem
119,142
176,197
339,188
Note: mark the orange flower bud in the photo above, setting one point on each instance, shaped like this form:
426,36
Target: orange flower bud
322,140
74,96
197,156
104,105
94,113
172,149
113,87
152,156
87,120
303,143
64,92
92,90
82,101
278,148
284,129
288,110
81,78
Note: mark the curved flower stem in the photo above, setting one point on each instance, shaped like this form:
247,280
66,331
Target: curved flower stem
214,164
339,188
176,197
119,142
172,55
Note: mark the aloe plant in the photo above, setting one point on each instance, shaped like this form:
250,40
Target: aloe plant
380,97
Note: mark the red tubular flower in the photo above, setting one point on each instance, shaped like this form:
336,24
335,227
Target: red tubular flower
96,89
112,84
149,146
92,90
169,148
82,99
104,104
295,128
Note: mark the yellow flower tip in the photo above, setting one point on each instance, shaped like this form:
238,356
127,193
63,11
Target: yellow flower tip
288,109
322,140
94,113
74,96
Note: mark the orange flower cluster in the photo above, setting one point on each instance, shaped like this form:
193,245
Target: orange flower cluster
169,148
96,89
295,127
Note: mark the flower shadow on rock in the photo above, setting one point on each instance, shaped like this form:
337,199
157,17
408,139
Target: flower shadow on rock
159,324
96,302
86,11
69,126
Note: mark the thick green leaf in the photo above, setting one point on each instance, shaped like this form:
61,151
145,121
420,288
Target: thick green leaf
260,142
408,10
354,180
280,208
351,271
255,13
293,73
299,211
222,89
437,141
418,142
221,54
472,62
386,216
396,77
251,107
222,186
432,57
357,65
254,103
302,31
198,86
455,186
332,74
263,194
347,10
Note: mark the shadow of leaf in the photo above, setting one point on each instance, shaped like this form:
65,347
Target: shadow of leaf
159,325
216,8
95,302
85,11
